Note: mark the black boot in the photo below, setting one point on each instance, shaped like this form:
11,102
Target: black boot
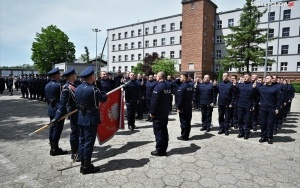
89,168
56,150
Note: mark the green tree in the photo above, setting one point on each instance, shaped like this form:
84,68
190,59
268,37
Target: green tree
138,68
51,46
166,65
148,62
242,44
86,57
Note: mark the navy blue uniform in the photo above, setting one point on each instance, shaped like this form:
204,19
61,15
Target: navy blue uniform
10,83
24,87
269,102
245,98
105,85
170,85
176,85
132,95
206,93
279,117
159,108
149,90
141,101
53,91
185,99
88,98
68,104
225,102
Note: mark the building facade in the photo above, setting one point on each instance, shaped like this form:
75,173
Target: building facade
195,39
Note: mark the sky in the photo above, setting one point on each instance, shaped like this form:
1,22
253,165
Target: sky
20,20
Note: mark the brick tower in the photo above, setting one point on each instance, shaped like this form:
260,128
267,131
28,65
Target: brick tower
198,18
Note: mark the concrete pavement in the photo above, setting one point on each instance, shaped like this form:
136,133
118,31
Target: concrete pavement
206,160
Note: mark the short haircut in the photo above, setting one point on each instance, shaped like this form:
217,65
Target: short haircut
235,76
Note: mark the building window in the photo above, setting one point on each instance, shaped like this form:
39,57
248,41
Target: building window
230,22
219,24
204,42
132,33
155,42
139,32
218,53
269,68
147,31
298,66
132,45
219,38
272,16
163,41
205,33
163,28
284,49
126,57
140,44
285,32
270,50
125,35
119,36
180,39
163,54
254,68
120,46
126,68
120,68
298,48
179,53
172,40
139,56
120,58
113,36
287,14
114,58
114,69
172,54
132,57
180,25
217,68
147,43
113,47
271,33
172,26
191,66
126,46
204,49
283,66
154,29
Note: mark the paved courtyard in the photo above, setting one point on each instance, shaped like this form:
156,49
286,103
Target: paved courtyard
206,160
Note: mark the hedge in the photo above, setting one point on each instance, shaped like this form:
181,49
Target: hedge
296,86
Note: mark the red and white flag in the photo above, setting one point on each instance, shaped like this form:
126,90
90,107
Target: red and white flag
112,116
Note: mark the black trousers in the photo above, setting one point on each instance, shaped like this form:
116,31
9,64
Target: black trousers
224,117
185,123
55,131
87,140
267,117
160,130
131,108
206,112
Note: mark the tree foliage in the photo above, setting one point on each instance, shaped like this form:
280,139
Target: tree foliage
242,44
86,57
50,47
148,62
166,65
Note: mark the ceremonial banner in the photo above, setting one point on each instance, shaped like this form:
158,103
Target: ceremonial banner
112,116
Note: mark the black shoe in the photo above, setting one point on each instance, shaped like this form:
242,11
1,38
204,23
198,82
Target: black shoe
221,131
156,153
236,126
275,132
254,128
263,140
246,136
208,129
270,141
240,135
89,169
279,126
59,151
226,133
203,129
181,138
135,127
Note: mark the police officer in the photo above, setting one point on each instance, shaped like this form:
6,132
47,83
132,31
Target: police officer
269,107
68,102
150,84
278,117
10,83
23,85
245,94
206,92
142,88
159,112
225,102
132,95
169,81
88,98
184,106
53,91
104,84
2,84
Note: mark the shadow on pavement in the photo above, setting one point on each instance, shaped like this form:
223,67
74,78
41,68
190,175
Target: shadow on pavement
283,139
202,136
128,132
120,164
184,150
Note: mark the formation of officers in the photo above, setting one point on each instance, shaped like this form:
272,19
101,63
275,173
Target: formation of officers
243,104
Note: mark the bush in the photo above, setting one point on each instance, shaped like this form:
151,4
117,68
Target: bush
296,86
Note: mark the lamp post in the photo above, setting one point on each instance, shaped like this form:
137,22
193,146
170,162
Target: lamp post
96,31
